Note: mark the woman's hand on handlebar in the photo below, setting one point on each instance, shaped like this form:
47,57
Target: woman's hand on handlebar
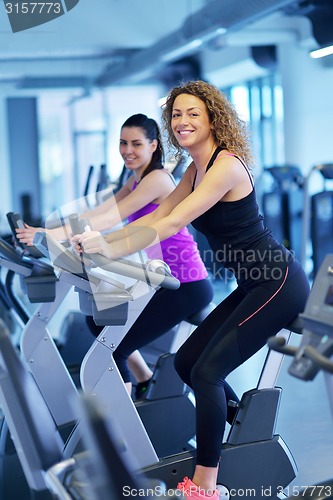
26,234
91,242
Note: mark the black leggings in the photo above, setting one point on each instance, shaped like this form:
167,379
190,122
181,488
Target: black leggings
231,334
164,311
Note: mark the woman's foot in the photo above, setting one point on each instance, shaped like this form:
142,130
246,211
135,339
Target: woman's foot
191,491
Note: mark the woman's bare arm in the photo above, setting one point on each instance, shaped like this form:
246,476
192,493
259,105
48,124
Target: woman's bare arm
176,212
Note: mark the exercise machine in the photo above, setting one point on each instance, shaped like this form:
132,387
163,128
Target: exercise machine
50,373
98,472
318,217
282,206
253,458
43,358
75,337
30,271
41,285
12,310
166,392
315,351
111,303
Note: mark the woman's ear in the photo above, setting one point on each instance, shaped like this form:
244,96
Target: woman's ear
154,144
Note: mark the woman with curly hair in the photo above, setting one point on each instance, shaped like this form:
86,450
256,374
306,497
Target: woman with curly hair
141,147
217,195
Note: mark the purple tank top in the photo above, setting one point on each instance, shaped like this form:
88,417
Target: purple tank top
180,251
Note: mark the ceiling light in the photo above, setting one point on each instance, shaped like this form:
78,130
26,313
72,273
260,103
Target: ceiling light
182,51
325,51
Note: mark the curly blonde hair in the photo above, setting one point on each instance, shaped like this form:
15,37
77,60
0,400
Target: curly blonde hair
228,129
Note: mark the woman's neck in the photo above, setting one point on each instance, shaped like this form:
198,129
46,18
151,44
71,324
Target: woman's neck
139,173
202,155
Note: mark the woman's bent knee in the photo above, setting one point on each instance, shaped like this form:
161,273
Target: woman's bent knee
181,368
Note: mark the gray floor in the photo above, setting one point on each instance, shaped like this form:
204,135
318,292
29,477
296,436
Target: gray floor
305,421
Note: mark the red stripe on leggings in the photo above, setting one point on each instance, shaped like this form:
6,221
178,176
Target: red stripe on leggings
267,301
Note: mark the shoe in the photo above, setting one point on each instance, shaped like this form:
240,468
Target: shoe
223,492
191,491
141,390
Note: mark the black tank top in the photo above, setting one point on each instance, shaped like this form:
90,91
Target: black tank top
236,233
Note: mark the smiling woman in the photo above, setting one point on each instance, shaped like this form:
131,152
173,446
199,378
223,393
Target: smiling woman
190,122
217,195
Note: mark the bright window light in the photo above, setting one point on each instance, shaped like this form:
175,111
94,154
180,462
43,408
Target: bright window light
162,101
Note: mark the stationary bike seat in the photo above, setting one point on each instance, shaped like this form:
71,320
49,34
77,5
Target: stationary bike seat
196,318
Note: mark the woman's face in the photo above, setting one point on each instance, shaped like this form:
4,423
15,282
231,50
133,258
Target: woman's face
135,149
190,121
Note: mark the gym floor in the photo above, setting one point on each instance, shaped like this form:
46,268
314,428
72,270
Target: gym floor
305,420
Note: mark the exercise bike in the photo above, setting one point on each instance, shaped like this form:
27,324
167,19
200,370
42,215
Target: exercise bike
43,359
314,354
166,392
268,463
74,338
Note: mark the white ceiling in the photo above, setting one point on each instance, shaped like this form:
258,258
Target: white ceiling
99,37
85,39
98,26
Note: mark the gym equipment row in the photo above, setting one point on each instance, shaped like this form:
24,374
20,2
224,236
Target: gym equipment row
314,353
298,217
47,366
112,473
36,277
103,184
166,384
283,205
318,216
268,463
